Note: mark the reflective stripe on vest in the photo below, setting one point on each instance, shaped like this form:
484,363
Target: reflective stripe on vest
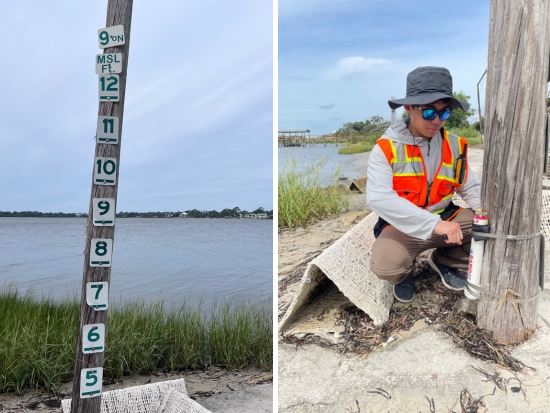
409,177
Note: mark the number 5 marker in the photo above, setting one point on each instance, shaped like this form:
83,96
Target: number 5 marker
90,382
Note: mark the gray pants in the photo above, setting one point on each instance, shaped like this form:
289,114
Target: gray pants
394,252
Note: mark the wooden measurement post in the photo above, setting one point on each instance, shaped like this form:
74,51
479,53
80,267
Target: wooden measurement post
111,68
511,195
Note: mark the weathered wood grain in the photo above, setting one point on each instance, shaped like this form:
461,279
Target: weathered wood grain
515,113
119,12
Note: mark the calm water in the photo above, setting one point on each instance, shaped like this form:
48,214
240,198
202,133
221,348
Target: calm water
351,166
175,259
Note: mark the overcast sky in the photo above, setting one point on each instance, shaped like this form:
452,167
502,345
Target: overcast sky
198,115
340,61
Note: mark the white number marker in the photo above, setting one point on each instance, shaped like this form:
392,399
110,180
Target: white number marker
101,250
103,212
90,382
93,338
97,295
107,129
108,88
111,36
105,171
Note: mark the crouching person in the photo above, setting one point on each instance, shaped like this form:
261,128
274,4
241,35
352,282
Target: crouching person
413,171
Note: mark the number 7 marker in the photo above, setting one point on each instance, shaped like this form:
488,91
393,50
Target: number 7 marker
97,295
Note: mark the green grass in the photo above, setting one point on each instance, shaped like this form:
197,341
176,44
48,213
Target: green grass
38,338
301,201
473,136
356,148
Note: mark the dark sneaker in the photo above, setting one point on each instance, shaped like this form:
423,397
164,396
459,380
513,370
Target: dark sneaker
450,277
404,291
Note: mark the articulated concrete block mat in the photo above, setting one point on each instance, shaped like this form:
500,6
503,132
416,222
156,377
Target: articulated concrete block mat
138,399
423,372
347,264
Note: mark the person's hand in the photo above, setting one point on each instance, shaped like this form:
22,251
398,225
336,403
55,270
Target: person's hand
452,229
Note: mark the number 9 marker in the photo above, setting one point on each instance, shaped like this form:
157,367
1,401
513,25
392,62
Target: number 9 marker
103,212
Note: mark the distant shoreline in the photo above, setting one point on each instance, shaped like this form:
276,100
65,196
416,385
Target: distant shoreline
236,213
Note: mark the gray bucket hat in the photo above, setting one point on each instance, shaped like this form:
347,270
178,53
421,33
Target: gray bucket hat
426,85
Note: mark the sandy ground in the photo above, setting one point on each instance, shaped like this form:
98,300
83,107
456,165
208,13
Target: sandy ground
420,370
199,384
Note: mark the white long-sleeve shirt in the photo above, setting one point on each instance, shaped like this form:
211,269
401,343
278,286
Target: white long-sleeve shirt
399,212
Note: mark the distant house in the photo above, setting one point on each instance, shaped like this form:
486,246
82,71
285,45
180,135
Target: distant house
261,216
184,215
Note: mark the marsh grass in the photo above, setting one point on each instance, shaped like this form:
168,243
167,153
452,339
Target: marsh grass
356,148
301,201
38,338
473,136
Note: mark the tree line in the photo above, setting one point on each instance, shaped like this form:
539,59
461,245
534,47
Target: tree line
378,125
192,213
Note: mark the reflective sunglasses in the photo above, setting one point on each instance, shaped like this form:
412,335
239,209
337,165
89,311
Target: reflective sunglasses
430,114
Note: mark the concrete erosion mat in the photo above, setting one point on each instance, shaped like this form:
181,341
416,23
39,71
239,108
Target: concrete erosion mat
420,368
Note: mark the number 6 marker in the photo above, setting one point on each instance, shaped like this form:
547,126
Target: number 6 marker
101,250
93,338
90,382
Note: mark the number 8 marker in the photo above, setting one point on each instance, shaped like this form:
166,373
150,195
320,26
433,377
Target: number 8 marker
101,250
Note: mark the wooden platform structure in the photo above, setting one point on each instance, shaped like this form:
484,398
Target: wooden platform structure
302,137
294,137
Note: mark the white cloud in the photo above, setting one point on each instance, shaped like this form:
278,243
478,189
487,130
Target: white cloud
355,64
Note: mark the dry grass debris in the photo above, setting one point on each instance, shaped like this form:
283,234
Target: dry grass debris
438,307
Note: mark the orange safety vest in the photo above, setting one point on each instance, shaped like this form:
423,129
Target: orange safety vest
409,172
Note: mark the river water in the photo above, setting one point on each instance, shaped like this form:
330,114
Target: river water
174,259
351,166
